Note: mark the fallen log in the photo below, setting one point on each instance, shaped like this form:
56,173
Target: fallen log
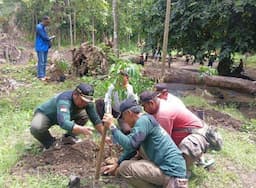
132,58
189,77
237,84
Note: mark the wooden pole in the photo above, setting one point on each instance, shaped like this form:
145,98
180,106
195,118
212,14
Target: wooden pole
166,32
108,109
101,153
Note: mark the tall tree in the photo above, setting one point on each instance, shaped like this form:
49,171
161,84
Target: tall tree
166,33
70,22
115,21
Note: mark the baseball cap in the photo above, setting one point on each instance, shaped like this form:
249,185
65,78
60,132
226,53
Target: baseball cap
124,73
129,104
147,96
161,87
86,92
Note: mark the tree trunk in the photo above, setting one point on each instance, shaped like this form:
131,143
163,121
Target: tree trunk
36,20
237,84
74,19
70,26
188,77
93,30
33,23
115,20
59,31
166,32
59,38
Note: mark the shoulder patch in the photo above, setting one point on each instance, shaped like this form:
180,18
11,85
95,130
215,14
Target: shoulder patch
63,109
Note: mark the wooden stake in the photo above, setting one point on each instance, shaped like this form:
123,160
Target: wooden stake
100,154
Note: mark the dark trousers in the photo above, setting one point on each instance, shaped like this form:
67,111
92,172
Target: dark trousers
41,124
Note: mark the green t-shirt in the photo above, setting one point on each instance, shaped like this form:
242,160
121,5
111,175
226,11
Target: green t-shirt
157,144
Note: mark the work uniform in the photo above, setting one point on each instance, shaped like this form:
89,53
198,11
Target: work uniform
165,165
62,111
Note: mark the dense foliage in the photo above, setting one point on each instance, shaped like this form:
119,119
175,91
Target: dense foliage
200,27
196,27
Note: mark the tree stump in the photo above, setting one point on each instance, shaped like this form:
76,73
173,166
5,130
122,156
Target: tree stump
89,60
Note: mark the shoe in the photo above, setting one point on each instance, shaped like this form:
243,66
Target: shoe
42,79
69,139
55,146
206,163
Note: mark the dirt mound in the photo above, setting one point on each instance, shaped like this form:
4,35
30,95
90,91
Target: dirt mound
219,119
78,159
89,60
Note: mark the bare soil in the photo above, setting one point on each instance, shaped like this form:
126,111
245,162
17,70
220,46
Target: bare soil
80,159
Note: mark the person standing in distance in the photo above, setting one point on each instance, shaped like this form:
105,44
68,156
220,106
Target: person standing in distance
42,45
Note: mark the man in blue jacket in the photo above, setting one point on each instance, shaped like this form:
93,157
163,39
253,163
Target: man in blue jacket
42,45
165,166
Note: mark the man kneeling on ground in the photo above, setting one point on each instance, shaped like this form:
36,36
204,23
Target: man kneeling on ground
180,123
70,110
165,166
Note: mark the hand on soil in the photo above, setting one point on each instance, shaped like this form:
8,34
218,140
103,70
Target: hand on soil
111,160
109,169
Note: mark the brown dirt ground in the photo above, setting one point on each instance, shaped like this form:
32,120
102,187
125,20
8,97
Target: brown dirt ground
80,159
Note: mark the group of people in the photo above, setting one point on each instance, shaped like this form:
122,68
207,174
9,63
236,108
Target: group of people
165,134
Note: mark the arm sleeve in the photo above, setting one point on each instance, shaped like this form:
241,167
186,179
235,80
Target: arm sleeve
92,114
116,101
42,33
131,94
131,142
63,115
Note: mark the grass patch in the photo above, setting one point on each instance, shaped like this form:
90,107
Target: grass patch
250,126
250,61
16,111
239,148
195,101
237,157
36,181
232,111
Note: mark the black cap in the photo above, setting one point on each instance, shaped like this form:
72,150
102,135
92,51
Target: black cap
161,87
130,104
86,91
147,96
124,73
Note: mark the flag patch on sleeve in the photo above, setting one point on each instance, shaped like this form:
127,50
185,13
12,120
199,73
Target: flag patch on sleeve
63,109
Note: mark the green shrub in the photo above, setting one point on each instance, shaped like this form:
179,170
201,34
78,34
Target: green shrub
207,70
